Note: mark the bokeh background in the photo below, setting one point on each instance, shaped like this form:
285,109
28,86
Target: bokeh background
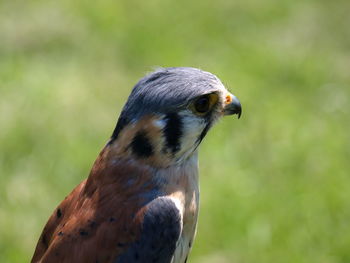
275,185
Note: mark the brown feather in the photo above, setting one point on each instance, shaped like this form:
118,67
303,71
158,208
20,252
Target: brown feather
99,218
103,215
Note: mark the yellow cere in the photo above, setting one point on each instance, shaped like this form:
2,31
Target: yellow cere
228,99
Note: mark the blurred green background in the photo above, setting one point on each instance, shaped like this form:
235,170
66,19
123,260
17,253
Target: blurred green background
275,185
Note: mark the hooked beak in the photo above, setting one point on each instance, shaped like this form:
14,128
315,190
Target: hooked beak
233,106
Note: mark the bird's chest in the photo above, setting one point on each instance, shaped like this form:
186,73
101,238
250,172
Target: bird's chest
189,225
183,189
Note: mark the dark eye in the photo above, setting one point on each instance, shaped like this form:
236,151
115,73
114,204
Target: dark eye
202,104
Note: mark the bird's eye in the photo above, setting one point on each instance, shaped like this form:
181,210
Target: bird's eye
202,104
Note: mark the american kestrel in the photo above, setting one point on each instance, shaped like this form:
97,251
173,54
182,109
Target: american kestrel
140,201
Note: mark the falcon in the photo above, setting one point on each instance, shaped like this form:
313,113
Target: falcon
140,200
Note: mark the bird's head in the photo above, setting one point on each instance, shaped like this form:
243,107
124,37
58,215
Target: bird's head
168,113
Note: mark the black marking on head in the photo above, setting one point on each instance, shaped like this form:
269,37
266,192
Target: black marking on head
209,119
160,231
204,132
60,233
59,213
141,145
173,131
122,122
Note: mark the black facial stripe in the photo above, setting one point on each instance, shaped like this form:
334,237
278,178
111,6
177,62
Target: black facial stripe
209,120
173,131
204,132
122,122
141,145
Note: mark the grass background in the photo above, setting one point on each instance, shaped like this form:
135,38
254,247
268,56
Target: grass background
275,185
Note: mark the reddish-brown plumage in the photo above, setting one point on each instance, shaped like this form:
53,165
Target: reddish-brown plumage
99,218
140,201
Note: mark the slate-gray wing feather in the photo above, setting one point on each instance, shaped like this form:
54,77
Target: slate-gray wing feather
160,231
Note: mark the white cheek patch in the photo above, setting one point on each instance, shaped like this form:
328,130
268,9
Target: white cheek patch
192,124
192,129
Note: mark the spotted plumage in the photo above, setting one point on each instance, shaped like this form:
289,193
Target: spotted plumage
140,201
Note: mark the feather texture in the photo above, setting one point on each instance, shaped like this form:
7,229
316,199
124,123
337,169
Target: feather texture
104,217
140,201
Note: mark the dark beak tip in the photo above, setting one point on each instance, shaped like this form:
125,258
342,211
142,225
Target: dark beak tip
234,108
238,108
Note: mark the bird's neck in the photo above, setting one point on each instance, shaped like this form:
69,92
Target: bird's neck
111,166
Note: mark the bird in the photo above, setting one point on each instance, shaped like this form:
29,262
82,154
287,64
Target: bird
140,201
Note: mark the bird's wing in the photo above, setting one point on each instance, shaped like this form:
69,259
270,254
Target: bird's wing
52,226
151,237
114,216
160,230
